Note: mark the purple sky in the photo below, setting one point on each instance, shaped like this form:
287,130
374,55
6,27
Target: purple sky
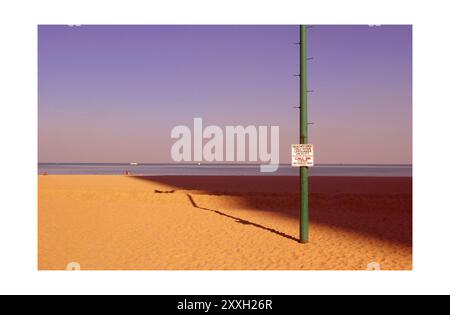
114,93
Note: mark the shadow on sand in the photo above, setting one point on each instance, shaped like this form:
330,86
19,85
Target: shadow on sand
241,221
377,206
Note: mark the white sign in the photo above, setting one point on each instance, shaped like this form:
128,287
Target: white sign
302,155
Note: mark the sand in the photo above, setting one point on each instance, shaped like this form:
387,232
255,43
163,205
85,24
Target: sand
222,223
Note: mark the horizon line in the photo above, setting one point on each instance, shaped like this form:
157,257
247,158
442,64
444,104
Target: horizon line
219,163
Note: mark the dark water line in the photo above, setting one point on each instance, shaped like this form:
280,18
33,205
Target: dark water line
221,170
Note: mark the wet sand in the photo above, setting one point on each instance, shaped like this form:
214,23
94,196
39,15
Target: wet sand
223,223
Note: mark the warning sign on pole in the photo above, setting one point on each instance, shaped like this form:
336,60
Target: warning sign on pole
302,155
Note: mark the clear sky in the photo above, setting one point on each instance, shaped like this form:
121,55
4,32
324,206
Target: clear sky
114,93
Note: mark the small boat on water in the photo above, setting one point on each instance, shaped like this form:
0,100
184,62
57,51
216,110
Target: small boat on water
134,164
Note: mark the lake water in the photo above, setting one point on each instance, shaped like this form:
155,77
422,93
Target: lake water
224,170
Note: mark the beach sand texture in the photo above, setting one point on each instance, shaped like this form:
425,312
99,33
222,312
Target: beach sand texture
222,223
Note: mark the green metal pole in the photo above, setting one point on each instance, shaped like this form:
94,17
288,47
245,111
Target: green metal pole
304,182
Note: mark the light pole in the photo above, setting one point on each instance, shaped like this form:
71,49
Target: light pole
304,181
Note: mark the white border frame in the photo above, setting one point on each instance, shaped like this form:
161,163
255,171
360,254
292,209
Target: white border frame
18,214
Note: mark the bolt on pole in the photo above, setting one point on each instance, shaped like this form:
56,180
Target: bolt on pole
304,181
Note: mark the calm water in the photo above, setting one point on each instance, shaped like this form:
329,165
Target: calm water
216,170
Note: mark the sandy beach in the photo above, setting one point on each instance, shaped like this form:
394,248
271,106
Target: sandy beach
222,223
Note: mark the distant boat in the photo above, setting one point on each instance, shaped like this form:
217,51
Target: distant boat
134,164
